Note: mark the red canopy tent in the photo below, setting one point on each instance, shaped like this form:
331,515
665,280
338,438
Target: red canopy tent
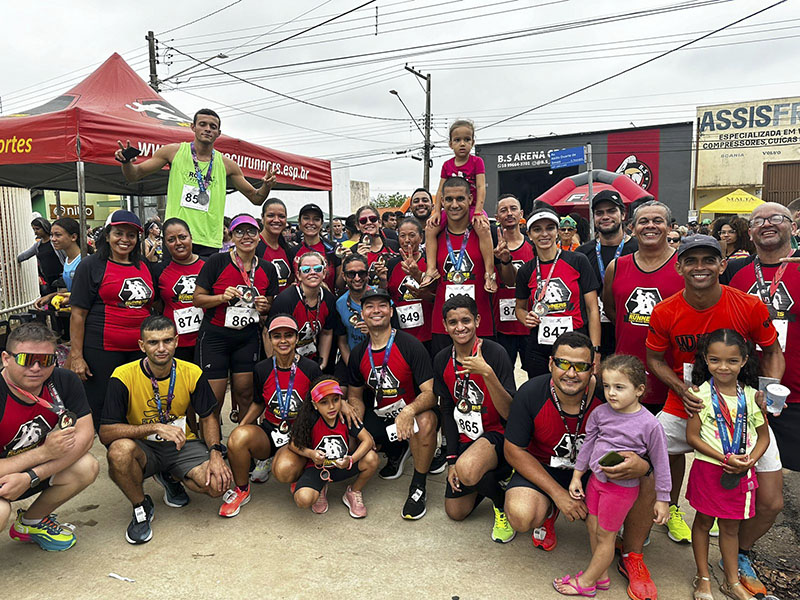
69,142
572,193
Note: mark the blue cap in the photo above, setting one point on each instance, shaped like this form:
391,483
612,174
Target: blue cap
124,217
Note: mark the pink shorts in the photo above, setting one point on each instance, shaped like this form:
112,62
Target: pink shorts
609,502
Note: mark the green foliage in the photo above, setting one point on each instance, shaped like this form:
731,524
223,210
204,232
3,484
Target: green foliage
387,200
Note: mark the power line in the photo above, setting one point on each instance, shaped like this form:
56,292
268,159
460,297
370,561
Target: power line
632,68
219,10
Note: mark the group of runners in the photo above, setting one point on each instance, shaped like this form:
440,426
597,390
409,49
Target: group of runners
403,343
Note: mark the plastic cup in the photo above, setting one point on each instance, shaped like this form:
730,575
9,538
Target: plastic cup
776,398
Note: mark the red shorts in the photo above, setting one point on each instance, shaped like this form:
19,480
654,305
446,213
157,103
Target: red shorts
609,502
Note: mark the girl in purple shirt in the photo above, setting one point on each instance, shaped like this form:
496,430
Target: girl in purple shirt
622,424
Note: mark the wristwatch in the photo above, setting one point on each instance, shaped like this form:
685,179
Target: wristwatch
34,477
221,448
596,348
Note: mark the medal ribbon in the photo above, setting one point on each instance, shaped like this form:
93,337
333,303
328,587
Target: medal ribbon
600,264
543,291
248,278
464,378
164,418
733,438
56,407
573,437
768,295
202,182
379,377
464,240
284,400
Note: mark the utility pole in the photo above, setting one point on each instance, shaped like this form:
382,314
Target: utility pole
151,49
426,172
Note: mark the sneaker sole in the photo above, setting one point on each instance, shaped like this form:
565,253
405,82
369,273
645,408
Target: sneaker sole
149,537
678,540
412,518
501,541
265,480
399,473
166,496
758,594
238,508
350,510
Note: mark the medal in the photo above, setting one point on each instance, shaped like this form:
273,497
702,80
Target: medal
353,319
248,295
283,427
66,419
540,309
366,239
463,407
730,480
732,432
457,277
202,198
202,182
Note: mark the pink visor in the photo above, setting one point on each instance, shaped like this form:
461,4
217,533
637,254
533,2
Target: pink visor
325,388
243,220
279,322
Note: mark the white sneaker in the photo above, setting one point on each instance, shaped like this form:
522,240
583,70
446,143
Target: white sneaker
261,473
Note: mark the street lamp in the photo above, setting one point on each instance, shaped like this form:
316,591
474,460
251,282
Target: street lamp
426,135
395,93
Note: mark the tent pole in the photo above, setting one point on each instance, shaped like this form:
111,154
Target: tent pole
330,213
82,206
589,194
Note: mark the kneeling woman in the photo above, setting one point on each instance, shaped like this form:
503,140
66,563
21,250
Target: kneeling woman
279,385
320,435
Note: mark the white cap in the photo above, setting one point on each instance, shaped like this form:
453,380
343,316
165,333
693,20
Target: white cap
543,214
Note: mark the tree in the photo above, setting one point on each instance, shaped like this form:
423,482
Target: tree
387,200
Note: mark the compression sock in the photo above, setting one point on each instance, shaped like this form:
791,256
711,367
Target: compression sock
419,479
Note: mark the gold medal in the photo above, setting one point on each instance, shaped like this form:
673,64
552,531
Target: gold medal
540,309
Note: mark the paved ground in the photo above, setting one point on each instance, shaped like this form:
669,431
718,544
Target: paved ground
275,550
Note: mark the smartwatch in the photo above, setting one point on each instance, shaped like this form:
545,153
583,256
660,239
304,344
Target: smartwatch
34,477
219,448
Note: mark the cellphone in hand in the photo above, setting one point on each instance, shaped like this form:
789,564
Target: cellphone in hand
130,153
612,459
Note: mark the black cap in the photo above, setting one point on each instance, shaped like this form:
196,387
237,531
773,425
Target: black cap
376,292
311,208
699,241
609,196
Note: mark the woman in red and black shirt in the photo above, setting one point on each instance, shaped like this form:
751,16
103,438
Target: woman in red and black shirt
372,244
235,289
272,246
310,226
174,284
111,295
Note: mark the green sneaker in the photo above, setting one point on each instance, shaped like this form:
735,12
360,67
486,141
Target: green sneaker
677,529
502,533
714,531
48,533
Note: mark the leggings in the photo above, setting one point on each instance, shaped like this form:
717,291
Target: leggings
102,364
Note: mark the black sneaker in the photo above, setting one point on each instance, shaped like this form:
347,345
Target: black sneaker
139,530
415,504
439,462
174,494
394,464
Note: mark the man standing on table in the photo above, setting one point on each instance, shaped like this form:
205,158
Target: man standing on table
197,180
675,326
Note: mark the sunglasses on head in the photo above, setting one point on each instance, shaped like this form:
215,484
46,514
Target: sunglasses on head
566,365
369,219
305,269
354,274
27,359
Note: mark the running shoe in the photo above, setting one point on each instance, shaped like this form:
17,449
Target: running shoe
355,502
48,533
174,493
320,507
232,502
394,463
544,537
414,507
677,529
502,533
640,584
439,462
261,473
139,530
748,576
714,531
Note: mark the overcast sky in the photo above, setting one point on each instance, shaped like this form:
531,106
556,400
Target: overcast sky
558,46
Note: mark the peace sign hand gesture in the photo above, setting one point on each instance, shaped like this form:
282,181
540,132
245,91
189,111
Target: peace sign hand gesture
409,265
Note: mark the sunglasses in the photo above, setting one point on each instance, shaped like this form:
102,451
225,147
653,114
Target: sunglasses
354,274
566,365
567,229
26,359
673,240
369,219
306,269
241,232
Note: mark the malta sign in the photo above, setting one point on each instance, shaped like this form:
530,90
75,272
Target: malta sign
568,157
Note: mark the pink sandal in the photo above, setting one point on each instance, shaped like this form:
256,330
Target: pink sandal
602,584
586,592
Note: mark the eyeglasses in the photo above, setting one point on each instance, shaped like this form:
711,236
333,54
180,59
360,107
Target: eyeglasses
567,229
773,220
354,274
26,359
306,269
369,219
566,365
241,232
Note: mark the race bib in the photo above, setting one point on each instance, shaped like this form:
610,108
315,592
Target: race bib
507,306
560,462
188,320
552,327
239,317
603,317
391,411
469,424
782,327
410,315
190,198
455,290
181,423
279,439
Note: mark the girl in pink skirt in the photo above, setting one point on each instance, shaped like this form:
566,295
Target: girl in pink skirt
729,435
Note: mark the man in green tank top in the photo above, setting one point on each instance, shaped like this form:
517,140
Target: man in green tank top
197,181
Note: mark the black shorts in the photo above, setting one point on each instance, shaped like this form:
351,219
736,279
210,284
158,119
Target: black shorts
562,476
312,477
204,251
786,428
221,350
376,426
268,428
42,486
503,469
185,353
340,372
162,456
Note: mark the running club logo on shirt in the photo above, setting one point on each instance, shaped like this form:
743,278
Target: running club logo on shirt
557,296
28,436
406,286
334,447
564,447
688,343
639,305
134,292
294,404
466,265
782,301
184,288
282,269
390,384
306,333
471,396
